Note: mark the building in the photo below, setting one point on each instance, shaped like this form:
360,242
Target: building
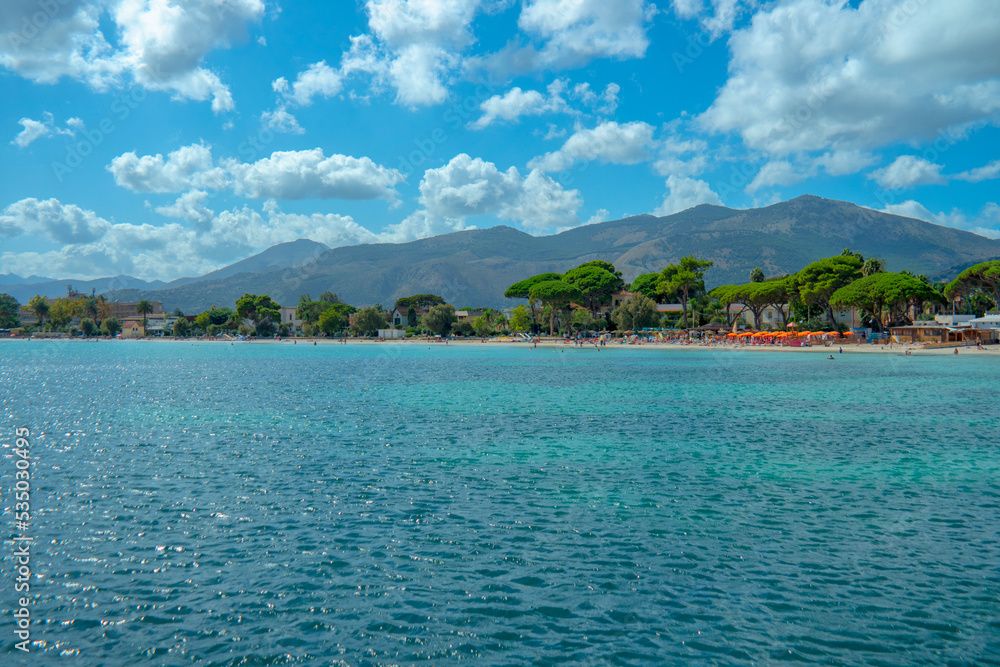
122,310
132,327
398,316
288,316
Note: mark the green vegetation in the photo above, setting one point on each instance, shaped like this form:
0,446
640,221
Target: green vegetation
556,294
419,301
39,305
144,308
683,279
982,278
9,308
261,310
368,321
439,319
886,296
638,313
112,326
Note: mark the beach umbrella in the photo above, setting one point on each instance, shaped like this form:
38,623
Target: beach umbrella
847,333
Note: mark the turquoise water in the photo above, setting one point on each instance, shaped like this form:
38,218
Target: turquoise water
362,505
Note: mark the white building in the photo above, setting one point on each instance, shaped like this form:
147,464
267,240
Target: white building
288,317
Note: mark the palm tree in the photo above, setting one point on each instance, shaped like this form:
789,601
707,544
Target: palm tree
872,266
757,275
40,307
144,308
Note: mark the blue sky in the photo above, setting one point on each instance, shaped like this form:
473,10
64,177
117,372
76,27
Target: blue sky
163,138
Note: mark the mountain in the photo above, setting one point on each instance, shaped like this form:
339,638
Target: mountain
282,256
475,267
54,289
14,279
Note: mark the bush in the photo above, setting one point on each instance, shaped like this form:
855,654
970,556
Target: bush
463,328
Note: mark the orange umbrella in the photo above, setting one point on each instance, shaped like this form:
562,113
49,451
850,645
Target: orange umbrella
847,333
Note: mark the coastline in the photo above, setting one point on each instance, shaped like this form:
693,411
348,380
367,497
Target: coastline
547,343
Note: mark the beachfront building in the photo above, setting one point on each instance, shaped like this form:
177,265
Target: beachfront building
132,327
122,310
934,332
288,316
398,315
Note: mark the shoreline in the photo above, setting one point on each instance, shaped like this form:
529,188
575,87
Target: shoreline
848,347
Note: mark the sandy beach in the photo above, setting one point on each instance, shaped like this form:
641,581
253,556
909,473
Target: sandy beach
834,348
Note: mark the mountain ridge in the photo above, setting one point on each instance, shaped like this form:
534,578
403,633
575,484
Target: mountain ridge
476,266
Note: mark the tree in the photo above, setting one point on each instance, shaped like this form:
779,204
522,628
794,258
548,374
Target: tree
440,318
111,325
582,320
181,327
261,310
634,314
984,276
329,297
9,308
646,283
757,275
520,319
419,301
144,308
522,289
39,305
817,282
683,279
595,283
556,294
411,316
61,311
331,321
368,321
88,327
872,266
879,291
482,326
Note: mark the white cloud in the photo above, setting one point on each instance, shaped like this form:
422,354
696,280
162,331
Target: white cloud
628,143
813,75
33,129
415,47
49,219
986,173
420,225
187,167
907,171
717,16
510,106
93,247
162,44
318,80
776,173
574,32
603,103
247,228
684,193
63,39
36,129
308,174
681,157
471,187
189,206
280,120
987,223
517,102
165,43
840,163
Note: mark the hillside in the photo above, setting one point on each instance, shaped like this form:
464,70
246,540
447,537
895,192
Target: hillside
476,266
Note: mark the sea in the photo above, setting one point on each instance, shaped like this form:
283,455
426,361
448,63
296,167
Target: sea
197,503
